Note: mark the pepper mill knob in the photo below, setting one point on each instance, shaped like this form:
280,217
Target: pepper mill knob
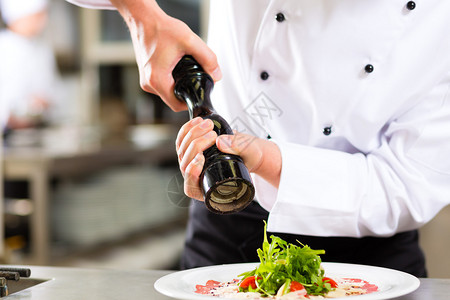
225,180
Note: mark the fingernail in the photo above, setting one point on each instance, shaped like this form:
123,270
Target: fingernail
216,74
224,141
205,124
210,134
196,120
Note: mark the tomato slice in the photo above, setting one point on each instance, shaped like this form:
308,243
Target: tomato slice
249,281
330,281
296,286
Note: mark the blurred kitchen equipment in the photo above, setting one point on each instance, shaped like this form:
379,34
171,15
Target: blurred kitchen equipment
225,181
8,274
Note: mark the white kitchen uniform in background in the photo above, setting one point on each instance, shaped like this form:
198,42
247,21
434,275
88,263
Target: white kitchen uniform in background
27,65
356,95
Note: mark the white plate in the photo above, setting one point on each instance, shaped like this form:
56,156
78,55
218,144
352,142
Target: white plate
391,283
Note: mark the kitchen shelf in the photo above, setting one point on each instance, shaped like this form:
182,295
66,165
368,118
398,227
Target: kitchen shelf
68,161
105,41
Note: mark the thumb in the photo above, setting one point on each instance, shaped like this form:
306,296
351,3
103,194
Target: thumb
211,67
234,144
244,145
227,143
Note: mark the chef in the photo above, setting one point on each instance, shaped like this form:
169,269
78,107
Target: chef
29,79
343,116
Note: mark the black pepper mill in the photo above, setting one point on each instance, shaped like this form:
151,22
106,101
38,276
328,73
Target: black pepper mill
225,181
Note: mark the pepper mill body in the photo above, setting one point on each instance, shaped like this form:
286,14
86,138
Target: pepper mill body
225,181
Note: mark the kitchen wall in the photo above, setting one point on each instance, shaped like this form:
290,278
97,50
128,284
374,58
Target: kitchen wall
435,240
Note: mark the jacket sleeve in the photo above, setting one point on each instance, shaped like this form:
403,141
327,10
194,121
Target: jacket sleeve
398,186
98,4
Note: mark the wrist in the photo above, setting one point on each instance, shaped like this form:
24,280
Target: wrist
133,11
269,165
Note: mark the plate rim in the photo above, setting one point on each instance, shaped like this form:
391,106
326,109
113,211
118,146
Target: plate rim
159,283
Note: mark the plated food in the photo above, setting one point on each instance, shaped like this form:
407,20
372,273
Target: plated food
222,281
343,287
286,271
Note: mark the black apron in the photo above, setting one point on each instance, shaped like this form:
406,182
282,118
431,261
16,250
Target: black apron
213,239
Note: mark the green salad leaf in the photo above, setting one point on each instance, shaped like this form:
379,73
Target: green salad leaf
282,263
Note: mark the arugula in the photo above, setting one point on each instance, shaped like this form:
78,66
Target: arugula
282,262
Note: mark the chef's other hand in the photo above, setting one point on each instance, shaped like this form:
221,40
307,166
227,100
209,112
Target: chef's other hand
261,157
159,42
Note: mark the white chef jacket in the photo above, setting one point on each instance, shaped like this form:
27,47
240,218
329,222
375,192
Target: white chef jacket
356,95
13,10
27,65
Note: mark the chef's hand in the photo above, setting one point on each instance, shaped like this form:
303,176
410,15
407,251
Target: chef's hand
159,42
261,157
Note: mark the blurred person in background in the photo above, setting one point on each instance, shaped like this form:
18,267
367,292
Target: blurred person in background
29,79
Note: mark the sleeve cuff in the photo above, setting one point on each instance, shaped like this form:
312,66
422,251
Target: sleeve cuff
318,192
97,4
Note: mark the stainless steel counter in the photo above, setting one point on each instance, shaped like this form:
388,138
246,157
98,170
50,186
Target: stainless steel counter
86,284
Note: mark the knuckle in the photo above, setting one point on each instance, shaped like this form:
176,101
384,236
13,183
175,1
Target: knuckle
190,41
180,137
153,82
177,107
195,147
184,128
187,190
184,168
189,135
145,73
180,157
145,85
190,189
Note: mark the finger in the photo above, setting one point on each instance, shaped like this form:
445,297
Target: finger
173,102
195,132
207,59
185,129
191,177
197,146
165,85
161,81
